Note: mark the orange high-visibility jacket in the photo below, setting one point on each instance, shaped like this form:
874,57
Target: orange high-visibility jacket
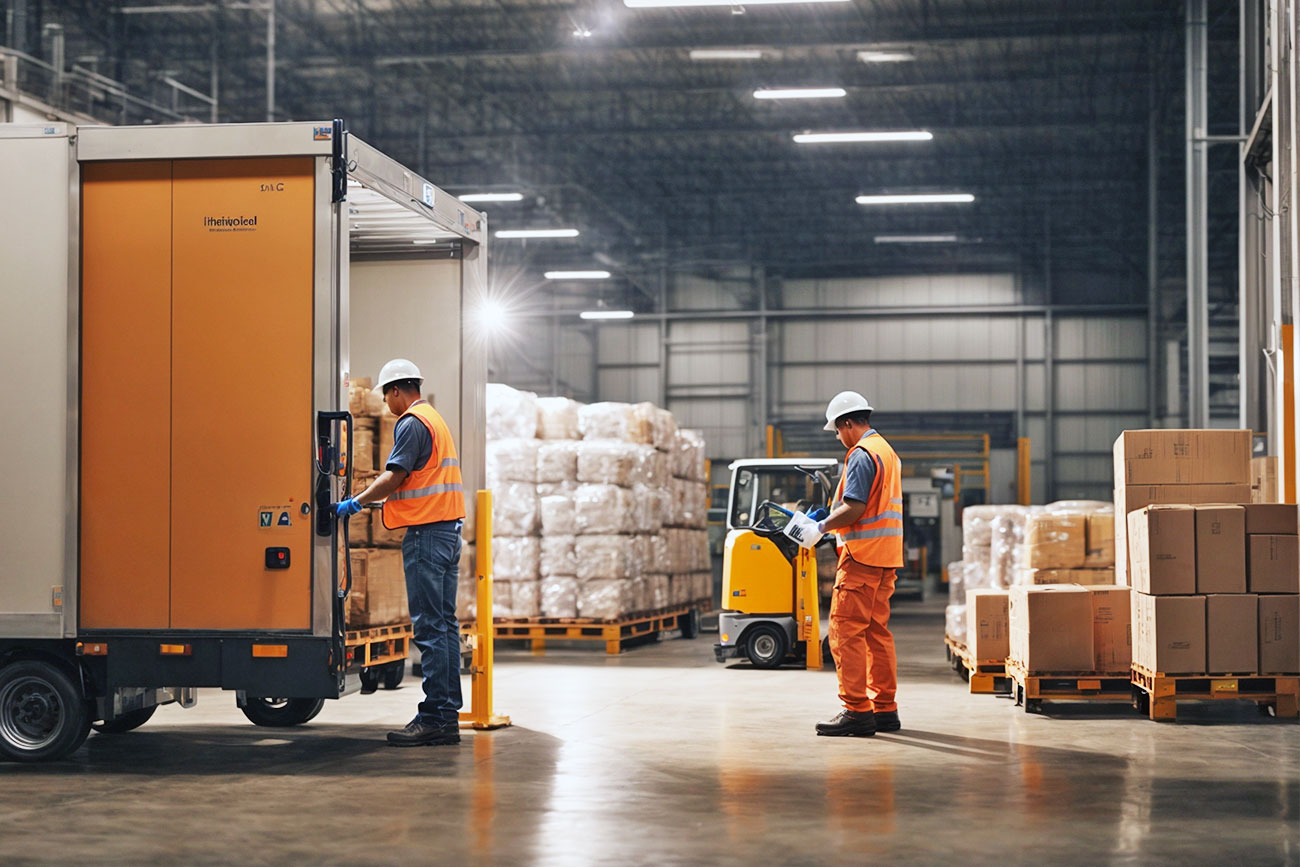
434,492
877,537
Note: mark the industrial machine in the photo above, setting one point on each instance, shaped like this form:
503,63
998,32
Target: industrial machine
183,305
771,601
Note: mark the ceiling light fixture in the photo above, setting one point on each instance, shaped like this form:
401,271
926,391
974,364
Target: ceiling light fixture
582,32
916,239
654,4
799,93
491,197
537,233
602,314
842,137
726,54
886,56
917,199
576,275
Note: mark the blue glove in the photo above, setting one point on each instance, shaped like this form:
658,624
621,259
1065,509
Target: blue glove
347,508
819,514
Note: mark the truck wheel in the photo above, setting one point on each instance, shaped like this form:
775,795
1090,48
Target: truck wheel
766,645
369,681
281,712
690,624
43,715
393,674
126,722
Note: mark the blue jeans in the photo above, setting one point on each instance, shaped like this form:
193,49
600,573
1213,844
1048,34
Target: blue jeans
431,559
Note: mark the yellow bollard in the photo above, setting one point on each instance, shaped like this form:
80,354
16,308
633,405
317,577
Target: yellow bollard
480,715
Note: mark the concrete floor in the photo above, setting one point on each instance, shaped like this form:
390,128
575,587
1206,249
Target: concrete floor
663,756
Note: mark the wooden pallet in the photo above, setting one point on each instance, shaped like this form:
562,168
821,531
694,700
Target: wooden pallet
1158,695
986,677
379,645
617,634
1031,689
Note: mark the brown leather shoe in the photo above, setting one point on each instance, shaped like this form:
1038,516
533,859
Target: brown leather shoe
849,723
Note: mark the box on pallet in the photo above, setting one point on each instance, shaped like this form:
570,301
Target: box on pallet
381,536
1051,627
1231,634
1279,634
1263,480
1220,548
1274,564
1112,628
1275,519
378,596
987,625
1169,633
1086,577
1163,557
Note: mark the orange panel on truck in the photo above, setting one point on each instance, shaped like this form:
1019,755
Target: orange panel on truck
125,394
241,392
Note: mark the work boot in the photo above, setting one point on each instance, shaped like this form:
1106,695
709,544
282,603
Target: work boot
418,734
849,723
887,721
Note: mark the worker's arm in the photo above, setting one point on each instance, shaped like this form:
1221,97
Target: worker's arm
845,515
408,446
860,475
389,480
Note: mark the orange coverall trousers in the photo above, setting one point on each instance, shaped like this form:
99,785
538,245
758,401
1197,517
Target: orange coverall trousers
860,639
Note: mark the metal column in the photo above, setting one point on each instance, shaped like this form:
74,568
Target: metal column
1198,365
1153,252
270,60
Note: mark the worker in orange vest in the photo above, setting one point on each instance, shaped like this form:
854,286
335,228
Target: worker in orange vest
867,520
422,484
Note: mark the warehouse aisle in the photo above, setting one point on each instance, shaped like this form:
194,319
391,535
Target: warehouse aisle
663,756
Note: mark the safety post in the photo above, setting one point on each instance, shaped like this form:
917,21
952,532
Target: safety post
480,715
809,606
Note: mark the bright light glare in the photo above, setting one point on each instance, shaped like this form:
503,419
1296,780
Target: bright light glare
653,4
840,137
885,56
916,239
726,54
606,314
917,199
799,93
492,197
492,316
576,275
537,233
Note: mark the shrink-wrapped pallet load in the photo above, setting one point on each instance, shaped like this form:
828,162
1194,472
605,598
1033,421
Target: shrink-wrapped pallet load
559,596
516,558
519,599
614,421
688,455
1007,529
955,623
657,426
557,461
605,558
559,555
558,516
514,509
957,582
557,489
611,462
605,599
557,418
1052,538
378,596
647,509
977,534
603,510
510,413
511,460
658,588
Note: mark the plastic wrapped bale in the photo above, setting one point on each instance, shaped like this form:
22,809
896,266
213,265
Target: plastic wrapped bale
501,599
602,510
1008,530
604,599
610,462
1101,538
557,489
559,596
1052,539
525,599
655,426
660,594
466,585
558,516
604,557
559,556
699,549
975,575
613,421
650,554
956,582
557,461
510,413
977,525
979,555
511,460
689,455
681,588
557,418
514,509
516,558
703,587
656,468
647,509
955,623
693,503
640,594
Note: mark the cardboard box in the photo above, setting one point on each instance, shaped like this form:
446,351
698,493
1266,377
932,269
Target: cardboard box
1112,628
378,596
1086,577
363,451
1100,551
1051,627
388,421
1274,519
1163,557
381,536
1182,457
1231,634
1274,564
1279,634
359,531
1220,549
1130,498
1263,480
987,624
1053,540
1169,633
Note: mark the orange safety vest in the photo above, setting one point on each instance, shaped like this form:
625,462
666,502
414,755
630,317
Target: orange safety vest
877,537
433,492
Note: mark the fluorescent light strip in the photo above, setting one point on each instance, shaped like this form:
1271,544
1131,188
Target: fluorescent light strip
491,197
916,239
726,54
917,199
606,314
886,56
659,4
842,137
799,93
537,233
576,275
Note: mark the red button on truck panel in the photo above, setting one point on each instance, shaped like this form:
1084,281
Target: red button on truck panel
277,558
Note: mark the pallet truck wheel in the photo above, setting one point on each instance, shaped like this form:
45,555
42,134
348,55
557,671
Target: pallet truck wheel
1034,705
393,674
369,681
281,712
1141,701
766,645
126,722
690,624
43,714
1268,709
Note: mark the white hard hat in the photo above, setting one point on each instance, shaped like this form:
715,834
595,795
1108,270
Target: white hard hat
842,404
395,371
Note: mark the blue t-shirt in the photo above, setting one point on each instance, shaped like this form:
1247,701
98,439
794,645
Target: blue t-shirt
412,445
859,476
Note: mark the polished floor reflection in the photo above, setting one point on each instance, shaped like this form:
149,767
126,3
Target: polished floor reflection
663,756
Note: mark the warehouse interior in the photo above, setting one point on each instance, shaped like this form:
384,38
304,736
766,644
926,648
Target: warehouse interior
637,250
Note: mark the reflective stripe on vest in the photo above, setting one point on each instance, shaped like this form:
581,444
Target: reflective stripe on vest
876,538
435,492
